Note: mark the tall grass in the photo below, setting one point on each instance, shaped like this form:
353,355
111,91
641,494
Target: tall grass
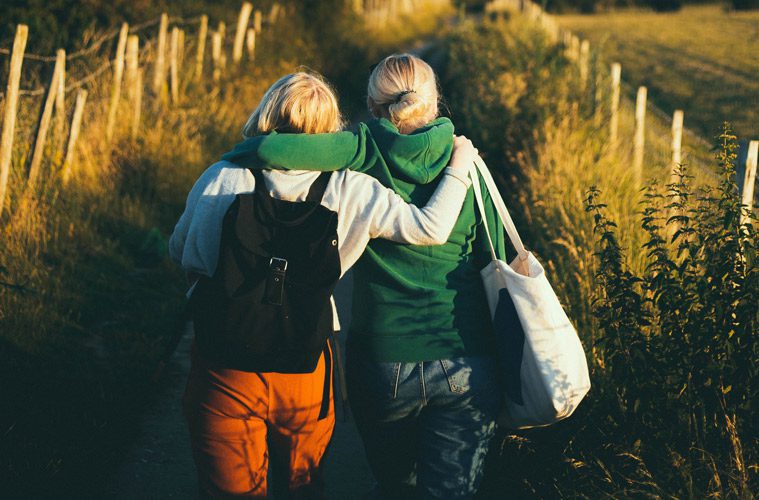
645,429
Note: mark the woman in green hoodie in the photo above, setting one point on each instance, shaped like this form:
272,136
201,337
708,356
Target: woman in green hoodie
421,375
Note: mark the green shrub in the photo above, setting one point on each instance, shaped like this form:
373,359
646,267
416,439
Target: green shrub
501,82
679,341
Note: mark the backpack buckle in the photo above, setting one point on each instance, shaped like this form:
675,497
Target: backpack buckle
275,281
278,264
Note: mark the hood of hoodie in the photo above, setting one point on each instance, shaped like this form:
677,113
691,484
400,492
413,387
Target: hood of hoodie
417,158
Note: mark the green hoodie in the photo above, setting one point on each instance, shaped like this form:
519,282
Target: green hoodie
410,303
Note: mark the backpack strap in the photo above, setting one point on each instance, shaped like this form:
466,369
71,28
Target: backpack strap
319,187
259,176
315,192
324,409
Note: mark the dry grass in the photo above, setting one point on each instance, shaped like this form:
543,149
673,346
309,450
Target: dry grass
98,298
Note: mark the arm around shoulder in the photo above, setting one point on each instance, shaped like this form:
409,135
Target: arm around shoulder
392,218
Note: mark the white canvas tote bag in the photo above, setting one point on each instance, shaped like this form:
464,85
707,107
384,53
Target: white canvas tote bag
542,362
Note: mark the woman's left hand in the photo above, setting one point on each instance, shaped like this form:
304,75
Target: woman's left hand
464,152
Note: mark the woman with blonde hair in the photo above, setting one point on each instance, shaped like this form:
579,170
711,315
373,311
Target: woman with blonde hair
421,376
266,248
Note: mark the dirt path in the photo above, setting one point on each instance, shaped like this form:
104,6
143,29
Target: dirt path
160,465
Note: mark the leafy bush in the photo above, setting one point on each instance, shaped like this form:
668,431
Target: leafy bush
501,85
679,341
70,23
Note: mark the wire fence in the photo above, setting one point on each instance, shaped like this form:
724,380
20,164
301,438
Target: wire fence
579,51
114,68
106,37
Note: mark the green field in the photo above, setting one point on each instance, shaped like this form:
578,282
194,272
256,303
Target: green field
702,59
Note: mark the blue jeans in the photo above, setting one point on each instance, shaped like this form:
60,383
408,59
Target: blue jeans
426,426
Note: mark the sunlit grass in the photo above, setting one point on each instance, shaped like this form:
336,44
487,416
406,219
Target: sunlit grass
701,59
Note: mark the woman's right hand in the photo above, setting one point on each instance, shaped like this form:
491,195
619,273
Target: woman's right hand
464,152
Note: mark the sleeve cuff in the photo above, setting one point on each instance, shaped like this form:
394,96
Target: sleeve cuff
461,174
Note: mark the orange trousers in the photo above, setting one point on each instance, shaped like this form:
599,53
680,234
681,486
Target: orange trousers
239,421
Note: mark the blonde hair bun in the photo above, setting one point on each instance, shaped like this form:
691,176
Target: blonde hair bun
410,107
403,88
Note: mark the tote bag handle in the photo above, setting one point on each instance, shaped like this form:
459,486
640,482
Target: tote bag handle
500,206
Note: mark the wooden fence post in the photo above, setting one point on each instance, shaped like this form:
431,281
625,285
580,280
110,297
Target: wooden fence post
180,50
60,106
132,63
640,133
597,92
257,21
574,48
76,123
222,30
677,142
274,13
749,179
223,38
11,103
566,40
677,137
118,73
136,104
242,24
584,64
250,43
159,77
47,113
216,55
202,35
174,54
616,77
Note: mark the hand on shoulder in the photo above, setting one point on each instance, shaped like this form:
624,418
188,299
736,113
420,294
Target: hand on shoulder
464,152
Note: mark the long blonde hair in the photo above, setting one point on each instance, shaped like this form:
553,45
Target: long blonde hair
403,89
298,103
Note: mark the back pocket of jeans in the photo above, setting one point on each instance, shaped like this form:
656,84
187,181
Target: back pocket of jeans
469,374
